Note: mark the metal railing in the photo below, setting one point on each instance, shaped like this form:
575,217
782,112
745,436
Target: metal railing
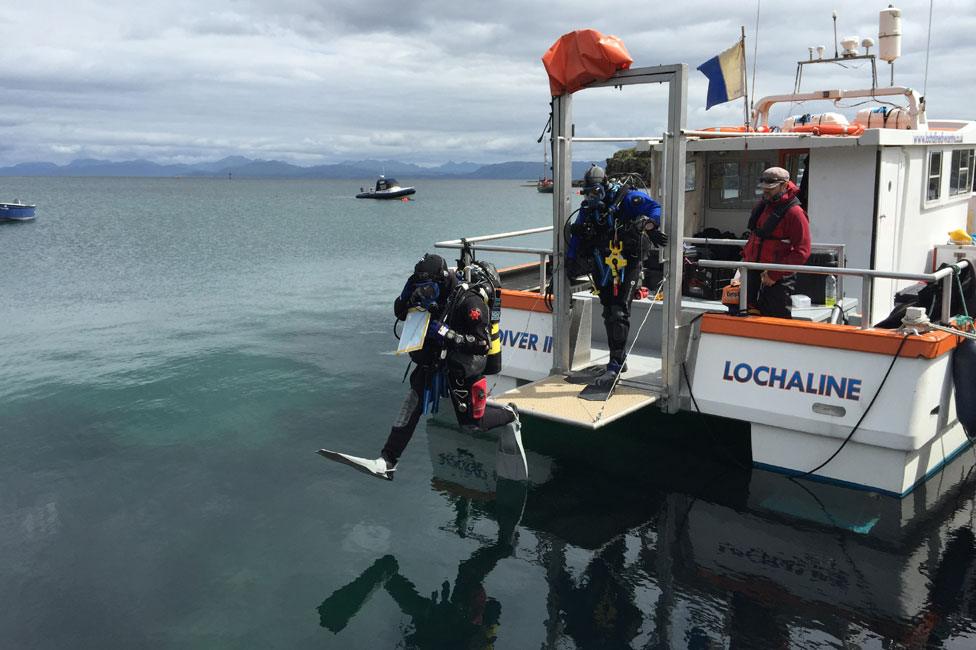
867,276
839,249
543,253
476,244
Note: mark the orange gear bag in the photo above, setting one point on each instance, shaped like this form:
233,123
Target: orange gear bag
581,57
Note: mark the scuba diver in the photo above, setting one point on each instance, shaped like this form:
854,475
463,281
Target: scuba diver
609,241
458,348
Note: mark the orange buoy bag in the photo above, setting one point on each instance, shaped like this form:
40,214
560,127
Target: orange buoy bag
581,57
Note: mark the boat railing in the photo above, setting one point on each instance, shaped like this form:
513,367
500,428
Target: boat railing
839,249
476,244
945,276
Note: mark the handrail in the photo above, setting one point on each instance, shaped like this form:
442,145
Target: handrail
916,108
840,249
501,235
543,253
867,275
829,270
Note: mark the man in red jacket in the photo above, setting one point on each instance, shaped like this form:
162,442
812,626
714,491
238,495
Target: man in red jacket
779,233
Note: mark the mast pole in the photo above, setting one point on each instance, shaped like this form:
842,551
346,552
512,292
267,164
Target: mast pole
745,80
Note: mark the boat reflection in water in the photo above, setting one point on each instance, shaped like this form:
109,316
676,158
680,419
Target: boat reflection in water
658,545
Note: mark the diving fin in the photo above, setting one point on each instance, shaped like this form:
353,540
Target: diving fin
597,392
374,467
510,460
586,375
589,374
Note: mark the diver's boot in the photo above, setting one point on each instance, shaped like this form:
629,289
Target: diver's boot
379,467
387,468
609,375
510,460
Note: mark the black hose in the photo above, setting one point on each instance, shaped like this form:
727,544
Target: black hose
863,415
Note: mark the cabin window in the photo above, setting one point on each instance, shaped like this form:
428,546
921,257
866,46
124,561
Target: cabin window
935,176
961,174
732,185
690,176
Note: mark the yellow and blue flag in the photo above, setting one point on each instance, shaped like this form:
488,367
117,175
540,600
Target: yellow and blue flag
726,75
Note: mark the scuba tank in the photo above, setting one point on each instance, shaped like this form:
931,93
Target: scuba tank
482,278
485,277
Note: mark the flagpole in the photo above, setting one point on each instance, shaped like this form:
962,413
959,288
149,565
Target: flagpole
745,87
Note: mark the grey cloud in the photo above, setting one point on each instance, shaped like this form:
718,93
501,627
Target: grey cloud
313,81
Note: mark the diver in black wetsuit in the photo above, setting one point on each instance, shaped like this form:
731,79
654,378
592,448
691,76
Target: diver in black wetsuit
451,361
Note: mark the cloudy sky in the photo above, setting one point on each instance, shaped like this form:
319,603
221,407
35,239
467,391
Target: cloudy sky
425,81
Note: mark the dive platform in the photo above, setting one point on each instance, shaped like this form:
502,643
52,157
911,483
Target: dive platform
553,398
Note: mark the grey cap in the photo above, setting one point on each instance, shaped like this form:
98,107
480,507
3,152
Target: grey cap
773,177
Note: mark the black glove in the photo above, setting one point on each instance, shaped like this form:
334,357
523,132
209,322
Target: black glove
658,237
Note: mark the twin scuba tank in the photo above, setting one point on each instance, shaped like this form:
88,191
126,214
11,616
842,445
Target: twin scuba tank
485,281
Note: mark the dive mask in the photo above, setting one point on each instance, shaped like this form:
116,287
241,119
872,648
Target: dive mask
425,294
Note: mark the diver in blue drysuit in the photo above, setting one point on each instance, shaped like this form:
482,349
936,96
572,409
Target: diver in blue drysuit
609,240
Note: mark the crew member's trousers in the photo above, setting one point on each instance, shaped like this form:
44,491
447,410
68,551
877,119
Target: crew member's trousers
771,301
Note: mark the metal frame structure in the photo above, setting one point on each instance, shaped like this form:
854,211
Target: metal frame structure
674,142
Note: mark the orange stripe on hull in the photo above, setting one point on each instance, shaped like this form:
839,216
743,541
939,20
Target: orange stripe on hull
825,335
524,300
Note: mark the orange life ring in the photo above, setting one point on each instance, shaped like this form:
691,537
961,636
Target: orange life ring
829,129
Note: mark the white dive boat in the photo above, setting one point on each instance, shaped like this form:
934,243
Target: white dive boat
845,402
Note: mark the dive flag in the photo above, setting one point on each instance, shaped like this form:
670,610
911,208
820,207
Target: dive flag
726,75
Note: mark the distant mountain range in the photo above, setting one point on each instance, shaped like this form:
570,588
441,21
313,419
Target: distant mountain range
241,167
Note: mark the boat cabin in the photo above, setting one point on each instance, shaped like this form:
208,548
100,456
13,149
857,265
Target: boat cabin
890,196
383,183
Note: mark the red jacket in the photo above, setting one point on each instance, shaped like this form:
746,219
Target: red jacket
789,243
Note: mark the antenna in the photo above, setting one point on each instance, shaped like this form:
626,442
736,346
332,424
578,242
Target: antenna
836,55
755,58
928,45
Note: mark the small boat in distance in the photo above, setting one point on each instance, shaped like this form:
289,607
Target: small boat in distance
386,188
545,184
16,211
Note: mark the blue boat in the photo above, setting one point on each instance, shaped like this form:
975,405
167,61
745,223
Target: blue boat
16,211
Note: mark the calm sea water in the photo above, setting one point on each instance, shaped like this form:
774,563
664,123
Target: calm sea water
175,350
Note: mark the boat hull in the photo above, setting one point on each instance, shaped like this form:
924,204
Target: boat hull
886,423
387,194
16,212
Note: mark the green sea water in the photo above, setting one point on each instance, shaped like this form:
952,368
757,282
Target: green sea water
173,352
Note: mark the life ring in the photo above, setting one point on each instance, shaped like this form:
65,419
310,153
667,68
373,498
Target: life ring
829,129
